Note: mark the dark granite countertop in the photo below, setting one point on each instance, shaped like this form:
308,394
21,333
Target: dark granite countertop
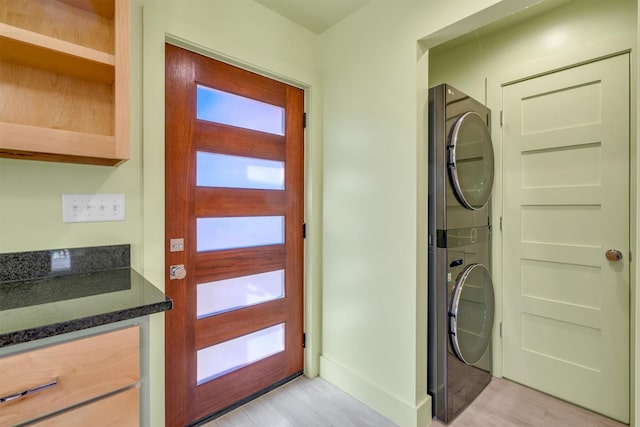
57,304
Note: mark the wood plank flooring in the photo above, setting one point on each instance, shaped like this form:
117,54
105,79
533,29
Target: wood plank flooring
315,402
303,402
507,404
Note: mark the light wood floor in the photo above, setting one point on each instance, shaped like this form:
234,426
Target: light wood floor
317,403
303,402
506,404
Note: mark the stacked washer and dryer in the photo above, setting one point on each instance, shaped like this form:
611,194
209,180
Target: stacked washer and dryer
461,298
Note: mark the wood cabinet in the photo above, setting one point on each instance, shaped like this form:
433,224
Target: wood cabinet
64,80
84,379
119,410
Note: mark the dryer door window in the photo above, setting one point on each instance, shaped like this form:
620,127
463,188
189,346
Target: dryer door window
471,160
471,313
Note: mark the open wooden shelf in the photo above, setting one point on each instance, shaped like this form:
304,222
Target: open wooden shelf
47,53
64,80
99,7
38,143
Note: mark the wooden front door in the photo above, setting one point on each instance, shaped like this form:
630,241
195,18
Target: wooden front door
566,208
234,144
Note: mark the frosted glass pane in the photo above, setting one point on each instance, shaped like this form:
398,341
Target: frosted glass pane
214,234
228,356
221,170
230,294
234,110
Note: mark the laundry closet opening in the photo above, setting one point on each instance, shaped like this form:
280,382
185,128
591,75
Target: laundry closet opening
547,37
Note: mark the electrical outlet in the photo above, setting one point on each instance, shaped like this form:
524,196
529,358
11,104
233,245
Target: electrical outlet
92,207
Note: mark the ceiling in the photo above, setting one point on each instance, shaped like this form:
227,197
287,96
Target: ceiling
320,15
315,15
507,22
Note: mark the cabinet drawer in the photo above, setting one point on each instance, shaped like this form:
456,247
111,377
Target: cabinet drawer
82,369
121,410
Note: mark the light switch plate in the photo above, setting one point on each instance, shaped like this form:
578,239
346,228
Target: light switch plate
92,207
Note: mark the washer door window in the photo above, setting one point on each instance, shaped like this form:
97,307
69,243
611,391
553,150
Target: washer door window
471,160
471,314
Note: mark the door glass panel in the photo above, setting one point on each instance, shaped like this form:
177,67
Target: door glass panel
471,313
221,170
471,160
228,356
226,108
230,294
214,234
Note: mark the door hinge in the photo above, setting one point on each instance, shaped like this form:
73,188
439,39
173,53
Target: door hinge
500,223
304,230
630,256
501,118
500,329
304,340
304,120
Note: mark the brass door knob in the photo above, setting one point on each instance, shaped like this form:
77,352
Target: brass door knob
613,255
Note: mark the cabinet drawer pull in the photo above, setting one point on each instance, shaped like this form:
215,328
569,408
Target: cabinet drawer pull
10,397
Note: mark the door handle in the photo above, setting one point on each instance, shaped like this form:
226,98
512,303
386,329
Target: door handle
23,393
177,272
613,255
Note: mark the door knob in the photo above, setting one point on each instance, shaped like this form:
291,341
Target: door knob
613,255
177,272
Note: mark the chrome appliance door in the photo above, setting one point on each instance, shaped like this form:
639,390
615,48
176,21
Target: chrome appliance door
471,312
470,162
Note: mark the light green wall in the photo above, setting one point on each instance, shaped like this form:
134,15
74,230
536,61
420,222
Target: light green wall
570,26
251,36
374,175
374,284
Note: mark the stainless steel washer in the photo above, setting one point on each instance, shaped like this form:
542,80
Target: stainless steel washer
461,298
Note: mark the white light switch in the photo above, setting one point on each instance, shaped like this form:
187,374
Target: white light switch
92,207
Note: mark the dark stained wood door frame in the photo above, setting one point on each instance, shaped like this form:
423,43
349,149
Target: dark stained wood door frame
186,402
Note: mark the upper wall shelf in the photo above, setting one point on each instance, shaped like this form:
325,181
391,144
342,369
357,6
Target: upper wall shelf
64,80
47,53
99,7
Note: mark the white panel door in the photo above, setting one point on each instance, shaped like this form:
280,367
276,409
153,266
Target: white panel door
566,202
